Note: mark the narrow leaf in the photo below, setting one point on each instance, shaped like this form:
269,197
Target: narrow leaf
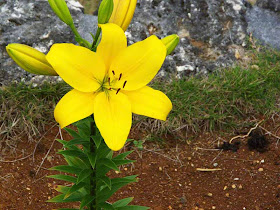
66,169
92,159
123,155
107,181
123,202
109,163
74,189
83,175
64,178
60,198
86,201
80,141
123,162
73,133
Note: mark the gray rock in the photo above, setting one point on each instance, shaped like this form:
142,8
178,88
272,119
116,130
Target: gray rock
207,30
273,5
264,25
33,23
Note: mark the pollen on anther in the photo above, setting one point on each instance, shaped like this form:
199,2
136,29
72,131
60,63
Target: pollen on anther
124,84
113,72
120,76
118,91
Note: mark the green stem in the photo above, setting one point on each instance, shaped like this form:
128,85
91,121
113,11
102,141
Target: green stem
93,184
79,39
96,37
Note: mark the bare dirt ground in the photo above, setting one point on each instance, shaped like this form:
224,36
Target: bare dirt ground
172,176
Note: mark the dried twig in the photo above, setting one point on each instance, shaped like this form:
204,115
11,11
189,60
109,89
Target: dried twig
245,136
208,169
13,161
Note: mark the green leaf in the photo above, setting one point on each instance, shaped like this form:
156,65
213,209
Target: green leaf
123,202
106,205
86,201
60,198
76,162
81,141
73,133
64,143
123,155
64,178
83,175
73,153
66,169
109,163
107,181
133,208
74,189
123,162
117,183
92,159
62,189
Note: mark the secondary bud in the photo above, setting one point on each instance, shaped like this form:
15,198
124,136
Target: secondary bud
123,12
105,11
61,10
30,59
171,43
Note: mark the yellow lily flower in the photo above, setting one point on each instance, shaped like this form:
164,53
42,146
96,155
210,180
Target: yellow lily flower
123,12
111,83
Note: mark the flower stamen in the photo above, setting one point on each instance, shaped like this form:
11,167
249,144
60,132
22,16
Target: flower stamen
120,77
118,91
113,72
124,84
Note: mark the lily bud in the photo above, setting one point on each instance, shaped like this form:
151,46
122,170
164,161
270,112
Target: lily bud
61,10
171,43
105,11
30,59
123,12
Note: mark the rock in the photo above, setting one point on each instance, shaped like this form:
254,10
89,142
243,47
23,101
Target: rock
264,25
273,5
33,23
207,29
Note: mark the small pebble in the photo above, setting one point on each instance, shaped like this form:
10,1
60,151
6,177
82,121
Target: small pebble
227,195
215,164
233,186
225,187
213,207
209,194
236,179
260,169
160,168
240,186
262,161
175,169
28,188
189,158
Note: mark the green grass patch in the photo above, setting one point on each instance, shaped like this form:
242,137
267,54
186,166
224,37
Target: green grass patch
225,99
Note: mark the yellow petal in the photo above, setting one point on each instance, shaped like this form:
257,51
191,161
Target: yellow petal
149,102
113,41
123,12
81,68
74,106
113,117
30,59
138,64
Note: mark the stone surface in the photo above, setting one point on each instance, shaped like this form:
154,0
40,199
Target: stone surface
33,23
209,30
212,32
264,25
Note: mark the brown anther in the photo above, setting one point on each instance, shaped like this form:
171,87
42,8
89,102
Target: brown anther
120,76
110,89
118,91
113,72
124,84
109,80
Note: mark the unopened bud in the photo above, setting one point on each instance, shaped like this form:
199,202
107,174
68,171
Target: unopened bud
61,10
105,11
30,59
123,13
171,43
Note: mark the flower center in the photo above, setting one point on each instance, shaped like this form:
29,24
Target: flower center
109,83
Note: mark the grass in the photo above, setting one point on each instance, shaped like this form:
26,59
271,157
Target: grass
226,99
